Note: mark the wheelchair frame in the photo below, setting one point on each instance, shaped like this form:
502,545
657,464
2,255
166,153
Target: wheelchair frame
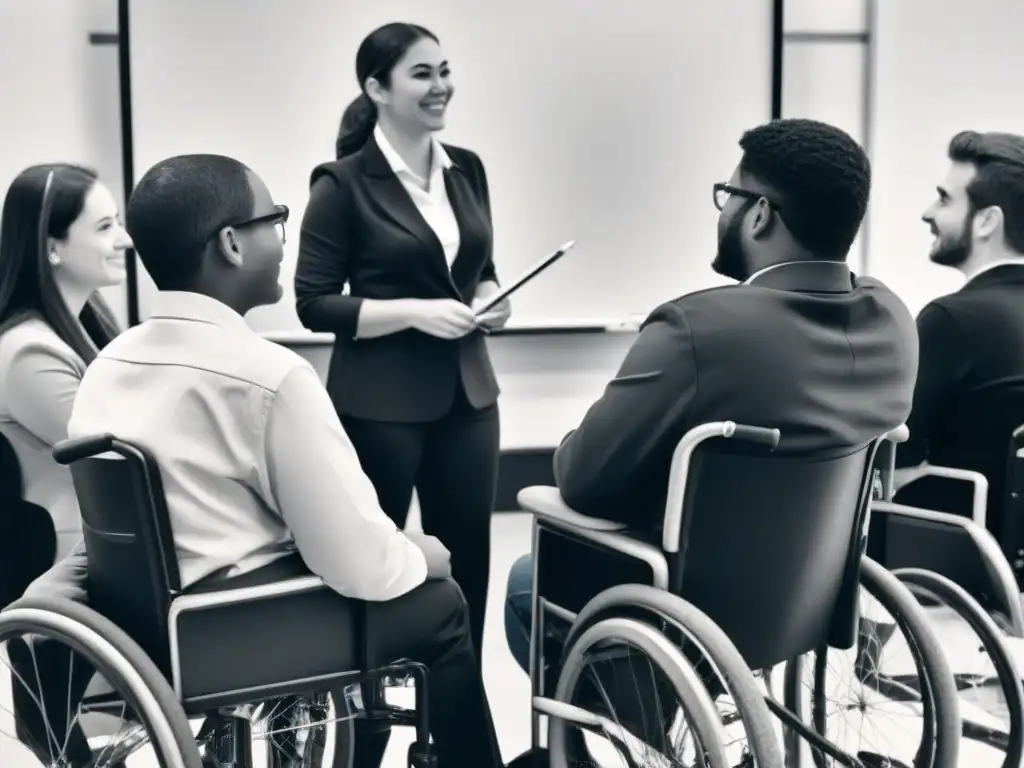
147,526
998,569
551,514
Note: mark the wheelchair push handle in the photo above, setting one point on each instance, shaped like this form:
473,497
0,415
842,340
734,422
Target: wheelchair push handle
69,451
759,435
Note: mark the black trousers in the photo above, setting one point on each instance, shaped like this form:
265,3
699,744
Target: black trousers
429,625
453,464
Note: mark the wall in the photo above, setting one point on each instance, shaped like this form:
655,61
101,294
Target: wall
60,93
549,381
826,52
68,108
608,127
937,73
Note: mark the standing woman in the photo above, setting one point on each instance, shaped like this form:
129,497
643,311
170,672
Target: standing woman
405,223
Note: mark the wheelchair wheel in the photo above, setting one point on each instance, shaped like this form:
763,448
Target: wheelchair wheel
638,726
731,684
991,695
906,678
54,646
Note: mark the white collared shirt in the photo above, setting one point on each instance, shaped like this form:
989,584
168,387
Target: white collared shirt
254,461
760,272
430,196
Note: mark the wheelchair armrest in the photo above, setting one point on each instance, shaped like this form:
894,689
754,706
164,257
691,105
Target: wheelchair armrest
980,482
544,501
992,556
885,461
899,435
228,594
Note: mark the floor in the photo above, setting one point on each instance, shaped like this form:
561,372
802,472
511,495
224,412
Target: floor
507,685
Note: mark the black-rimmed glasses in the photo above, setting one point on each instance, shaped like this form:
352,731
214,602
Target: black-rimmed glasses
278,218
722,193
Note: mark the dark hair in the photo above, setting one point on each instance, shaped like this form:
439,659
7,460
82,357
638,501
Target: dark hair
999,181
178,206
821,178
377,56
27,284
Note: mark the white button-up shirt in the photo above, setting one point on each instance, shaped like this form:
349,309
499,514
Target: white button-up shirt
430,196
254,461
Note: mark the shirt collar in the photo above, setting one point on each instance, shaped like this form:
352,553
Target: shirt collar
197,307
760,272
439,159
809,276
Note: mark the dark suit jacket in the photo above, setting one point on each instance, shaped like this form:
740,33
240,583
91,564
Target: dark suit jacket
826,357
970,389
362,228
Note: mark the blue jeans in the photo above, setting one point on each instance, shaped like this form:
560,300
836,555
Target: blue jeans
519,610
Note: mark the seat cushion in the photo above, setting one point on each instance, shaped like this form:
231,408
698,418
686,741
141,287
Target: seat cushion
259,642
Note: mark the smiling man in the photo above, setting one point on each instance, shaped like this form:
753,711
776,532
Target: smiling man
969,395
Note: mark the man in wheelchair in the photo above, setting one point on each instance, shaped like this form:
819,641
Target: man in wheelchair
801,344
261,481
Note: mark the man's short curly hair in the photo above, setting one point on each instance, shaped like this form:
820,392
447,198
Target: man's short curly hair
820,177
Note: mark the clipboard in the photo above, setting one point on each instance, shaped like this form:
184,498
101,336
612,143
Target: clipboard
524,278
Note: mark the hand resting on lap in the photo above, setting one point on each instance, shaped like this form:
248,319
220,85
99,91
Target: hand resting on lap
438,557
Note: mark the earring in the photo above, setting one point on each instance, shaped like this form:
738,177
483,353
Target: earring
53,258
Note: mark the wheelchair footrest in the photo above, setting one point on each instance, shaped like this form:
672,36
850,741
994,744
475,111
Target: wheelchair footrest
394,715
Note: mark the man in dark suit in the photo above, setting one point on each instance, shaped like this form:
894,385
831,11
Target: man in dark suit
969,396
801,344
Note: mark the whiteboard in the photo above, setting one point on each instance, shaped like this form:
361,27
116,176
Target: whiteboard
602,121
936,74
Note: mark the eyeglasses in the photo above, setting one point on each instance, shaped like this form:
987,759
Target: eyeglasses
278,218
722,193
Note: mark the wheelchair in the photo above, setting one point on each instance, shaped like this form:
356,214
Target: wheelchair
757,575
161,658
28,541
970,584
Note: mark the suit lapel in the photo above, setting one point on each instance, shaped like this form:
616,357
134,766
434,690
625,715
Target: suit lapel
394,200
464,203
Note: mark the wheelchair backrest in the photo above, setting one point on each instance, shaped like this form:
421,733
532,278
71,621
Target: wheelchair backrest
955,547
1012,512
28,542
770,545
133,568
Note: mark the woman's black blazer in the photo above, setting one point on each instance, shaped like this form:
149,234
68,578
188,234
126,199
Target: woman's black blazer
362,229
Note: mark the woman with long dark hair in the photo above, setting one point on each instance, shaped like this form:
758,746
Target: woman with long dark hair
61,240
405,223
